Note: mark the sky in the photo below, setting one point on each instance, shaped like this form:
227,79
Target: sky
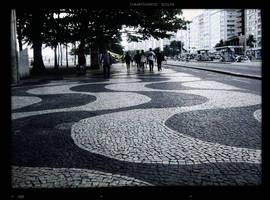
188,14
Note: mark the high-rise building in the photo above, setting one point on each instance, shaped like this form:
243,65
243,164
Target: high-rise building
253,26
225,25
213,25
195,34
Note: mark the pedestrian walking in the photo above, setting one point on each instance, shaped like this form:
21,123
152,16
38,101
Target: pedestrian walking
151,58
81,61
127,59
160,57
106,60
143,60
137,59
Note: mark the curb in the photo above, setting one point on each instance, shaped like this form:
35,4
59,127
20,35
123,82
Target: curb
220,71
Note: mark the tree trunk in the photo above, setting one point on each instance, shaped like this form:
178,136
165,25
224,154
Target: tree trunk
58,58
94,59
94,56
38,66
81,56
90,59
67,55
55,57
37,23
61,55
75,54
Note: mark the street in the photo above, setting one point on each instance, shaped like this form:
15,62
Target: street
177,127
249,69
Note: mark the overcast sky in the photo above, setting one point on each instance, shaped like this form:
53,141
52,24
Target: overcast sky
189,14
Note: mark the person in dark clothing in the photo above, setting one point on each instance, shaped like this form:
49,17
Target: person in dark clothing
81,61
160,58
106,59
137,59
127,59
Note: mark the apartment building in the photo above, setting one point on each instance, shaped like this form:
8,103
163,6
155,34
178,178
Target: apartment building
213,25
194,34
253,26
208,28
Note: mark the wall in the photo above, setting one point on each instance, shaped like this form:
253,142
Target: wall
23,64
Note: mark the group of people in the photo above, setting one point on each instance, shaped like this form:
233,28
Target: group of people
142,59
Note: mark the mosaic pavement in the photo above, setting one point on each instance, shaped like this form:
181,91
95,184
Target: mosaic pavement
167,129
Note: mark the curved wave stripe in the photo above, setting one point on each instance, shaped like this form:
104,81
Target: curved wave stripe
140,135
23,101
118,128
77,178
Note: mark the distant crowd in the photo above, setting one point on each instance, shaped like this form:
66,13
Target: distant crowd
143,59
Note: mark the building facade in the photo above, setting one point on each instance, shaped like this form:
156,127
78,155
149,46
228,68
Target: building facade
212,26
253,26
207,29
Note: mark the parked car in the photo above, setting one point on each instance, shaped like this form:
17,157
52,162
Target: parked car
241,58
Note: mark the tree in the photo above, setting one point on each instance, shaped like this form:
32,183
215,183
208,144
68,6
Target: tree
174,48
66,45
158,23
103,25
231,42
20,22
34,28
177,47
52,34
220,44
97,28
57,33
157,49
167,50
234,41
37,21
117,48
250,41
